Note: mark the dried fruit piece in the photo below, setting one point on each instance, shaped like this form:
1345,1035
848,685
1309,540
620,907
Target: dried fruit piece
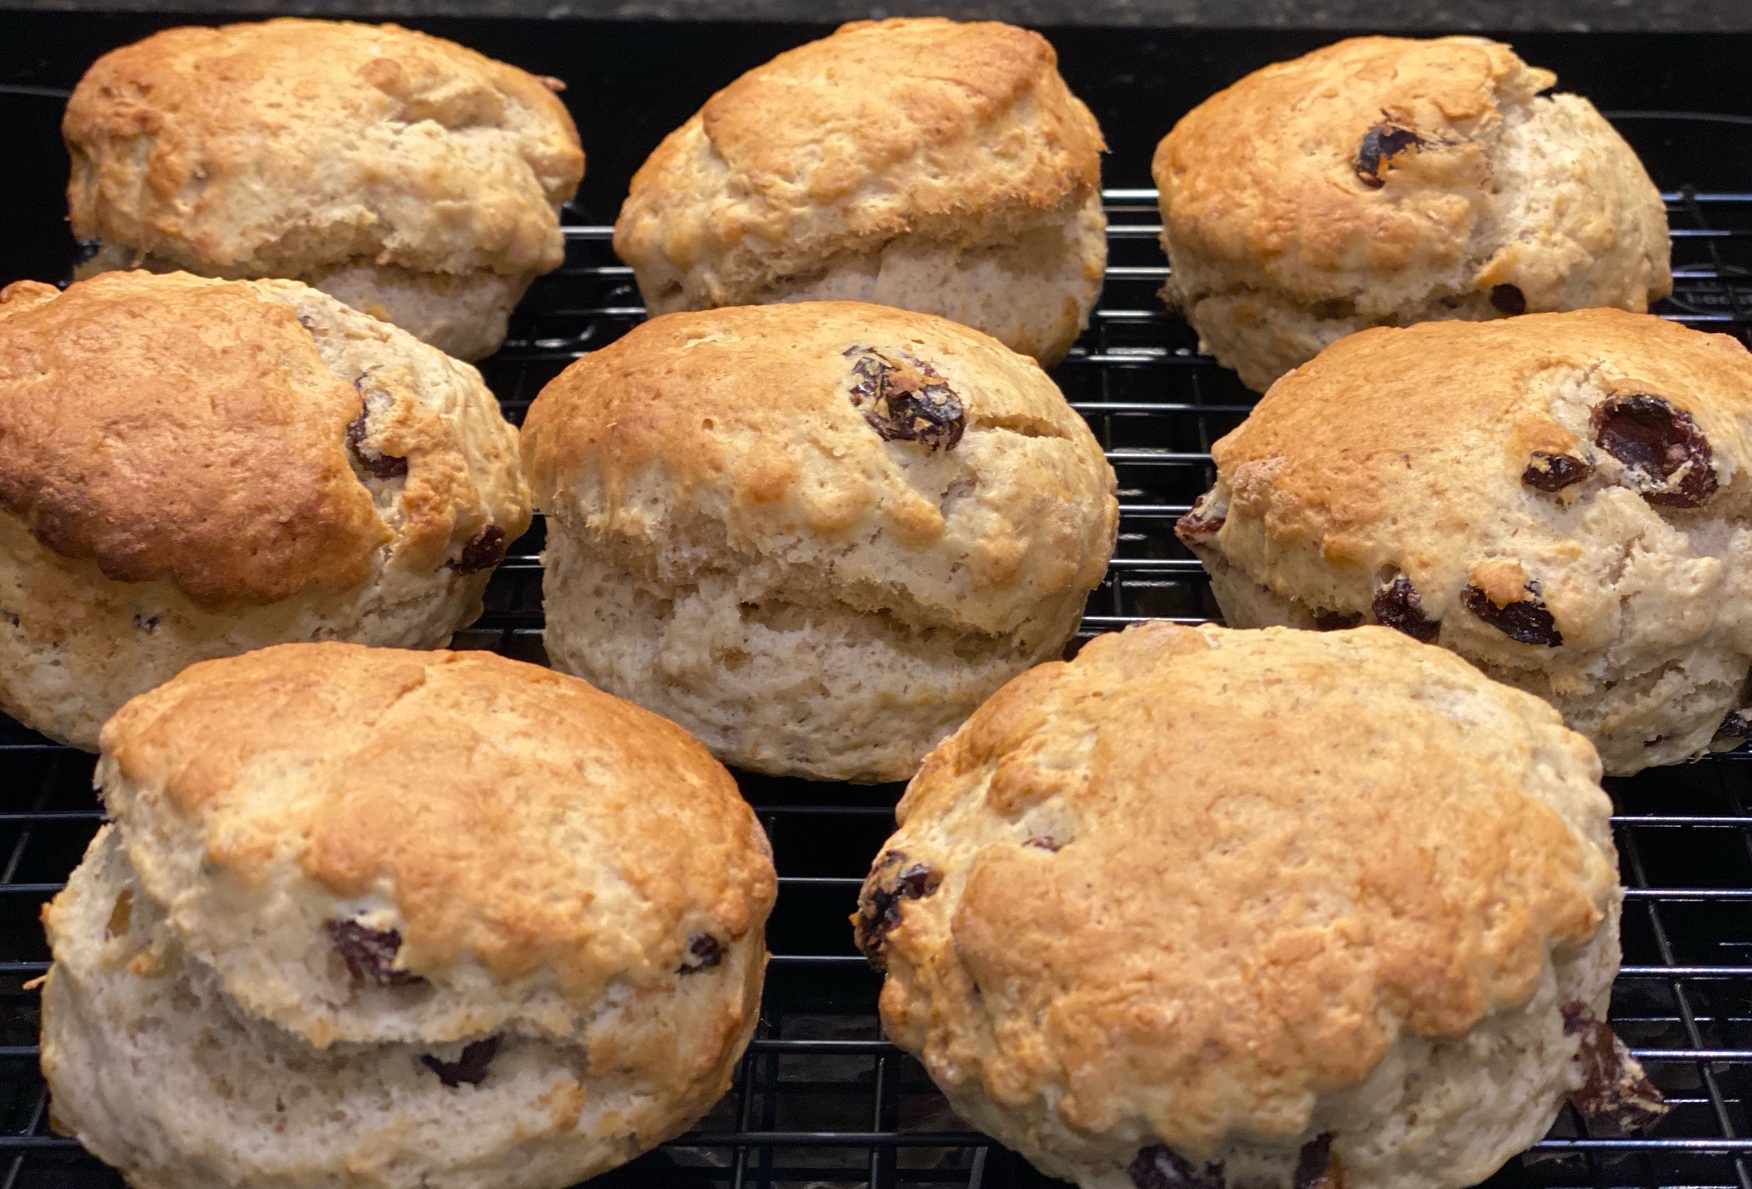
890,881
1736,728
1397,605
1525,620
1157,1167
1381,144
1335,621
703,952
1554,472
1508,299
1198,526
1661,445
1615,1093
370,953
470,1066
905,400
384,466
1317,1167
483,551
1044,842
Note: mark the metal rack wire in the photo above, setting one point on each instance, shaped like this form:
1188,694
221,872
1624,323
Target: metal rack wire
821,1100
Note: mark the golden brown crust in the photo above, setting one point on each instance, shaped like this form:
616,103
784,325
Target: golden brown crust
1194,878
171,427
280,147
494,799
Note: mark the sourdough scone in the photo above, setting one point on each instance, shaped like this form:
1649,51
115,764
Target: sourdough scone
409,177
1386,181
1264,910
816,535
921,163
193,468
409,920
1559,498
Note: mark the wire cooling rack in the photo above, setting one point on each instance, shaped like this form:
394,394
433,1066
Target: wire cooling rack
821,1100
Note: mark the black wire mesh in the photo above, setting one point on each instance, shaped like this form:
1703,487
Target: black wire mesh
821,1100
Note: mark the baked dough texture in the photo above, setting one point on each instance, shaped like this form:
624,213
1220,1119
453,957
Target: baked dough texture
1248,895
193,468
401,919
923,163
1559,498
1388,181
816,535
412,178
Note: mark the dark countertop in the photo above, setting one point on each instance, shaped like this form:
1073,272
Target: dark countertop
1423,15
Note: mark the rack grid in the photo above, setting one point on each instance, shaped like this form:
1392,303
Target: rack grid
821,1101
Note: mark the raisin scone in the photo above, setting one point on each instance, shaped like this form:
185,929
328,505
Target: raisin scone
399,920
1558,498
923,163
1362,933
407,176
192,468
815,535
1387,181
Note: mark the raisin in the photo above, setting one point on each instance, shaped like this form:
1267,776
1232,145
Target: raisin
1398,605
1554,472
1615,1092
1381,144
891,881
483,551
1335,621
1661,444
370,953
146,623
1158,1167
1316,1167
470,1066
384,466
1196,527
1524,620
1044,842
1508,299
906,400
1735,727
703,952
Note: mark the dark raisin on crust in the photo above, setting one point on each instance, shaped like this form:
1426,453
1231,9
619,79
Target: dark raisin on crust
1616,1093
1508,299
1158,1167
146,623
483,551
1381,144
1397,605
1044,842
1335,621
891,881
1554,472
384,466
703,952
1317,1167
1662,444
1525,620
1196,527
370,954
470,1066
905,400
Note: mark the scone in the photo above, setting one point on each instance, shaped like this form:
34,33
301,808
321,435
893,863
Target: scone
411,178
193,468
1264,910
815,535
1385,181
1560,498
399,920
920,163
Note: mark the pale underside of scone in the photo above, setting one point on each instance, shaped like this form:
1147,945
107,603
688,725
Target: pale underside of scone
1558,214
155,1069
462,314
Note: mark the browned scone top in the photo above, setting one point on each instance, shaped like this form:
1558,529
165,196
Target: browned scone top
283,146
956,131
1173,890
178,428
532,841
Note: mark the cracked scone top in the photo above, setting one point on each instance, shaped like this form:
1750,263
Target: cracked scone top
191,468
1560,498
408,176
1208,907
924,163
1386,181
461,921
817,535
